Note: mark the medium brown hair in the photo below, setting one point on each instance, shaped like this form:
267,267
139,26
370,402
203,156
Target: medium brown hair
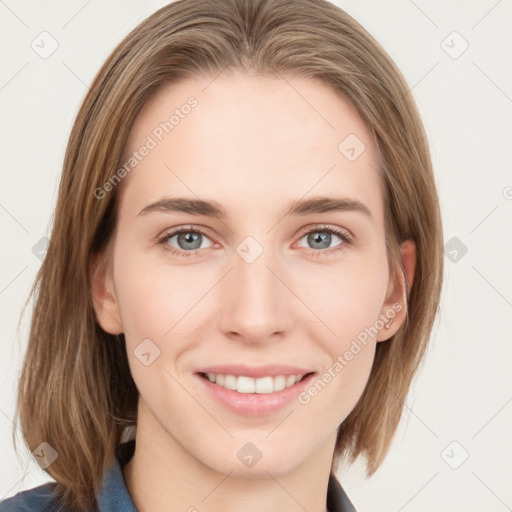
76,391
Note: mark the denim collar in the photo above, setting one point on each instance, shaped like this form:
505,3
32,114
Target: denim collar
113,495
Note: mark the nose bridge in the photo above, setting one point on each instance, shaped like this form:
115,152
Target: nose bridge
255,283
256,299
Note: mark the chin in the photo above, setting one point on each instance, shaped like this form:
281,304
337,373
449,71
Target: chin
248,463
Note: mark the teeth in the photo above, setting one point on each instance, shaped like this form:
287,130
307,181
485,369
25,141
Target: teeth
262,385
244,384
290,380
230,382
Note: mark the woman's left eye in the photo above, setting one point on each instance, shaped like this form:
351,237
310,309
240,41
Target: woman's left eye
189,240
321,238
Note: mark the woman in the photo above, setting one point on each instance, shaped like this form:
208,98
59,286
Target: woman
245,264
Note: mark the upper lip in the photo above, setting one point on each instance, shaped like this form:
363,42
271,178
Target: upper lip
271,370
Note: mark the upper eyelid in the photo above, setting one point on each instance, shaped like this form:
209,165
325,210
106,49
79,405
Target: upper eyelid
327,227
168,233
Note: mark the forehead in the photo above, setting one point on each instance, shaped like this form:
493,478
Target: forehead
245,139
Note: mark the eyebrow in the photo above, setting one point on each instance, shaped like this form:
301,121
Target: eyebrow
300,207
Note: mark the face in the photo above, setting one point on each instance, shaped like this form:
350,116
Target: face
271,264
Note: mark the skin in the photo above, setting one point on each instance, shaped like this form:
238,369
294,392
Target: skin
253,144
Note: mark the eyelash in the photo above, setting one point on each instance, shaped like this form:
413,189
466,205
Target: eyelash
326,228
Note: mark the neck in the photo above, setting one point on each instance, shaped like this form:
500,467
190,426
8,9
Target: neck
163,476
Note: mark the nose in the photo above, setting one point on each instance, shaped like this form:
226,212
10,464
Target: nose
257,305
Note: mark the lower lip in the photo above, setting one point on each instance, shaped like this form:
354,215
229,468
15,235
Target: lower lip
255,404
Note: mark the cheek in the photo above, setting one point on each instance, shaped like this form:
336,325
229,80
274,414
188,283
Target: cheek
157,309
346,369
154,298
167,312
349,303
347,300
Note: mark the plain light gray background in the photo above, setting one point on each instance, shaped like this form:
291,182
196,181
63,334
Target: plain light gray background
453,450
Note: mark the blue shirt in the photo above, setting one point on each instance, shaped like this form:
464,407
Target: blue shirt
114,497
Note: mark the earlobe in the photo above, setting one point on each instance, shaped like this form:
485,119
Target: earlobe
103,297
394,311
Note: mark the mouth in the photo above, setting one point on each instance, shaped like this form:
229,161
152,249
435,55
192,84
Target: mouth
250,390
245,384
254,396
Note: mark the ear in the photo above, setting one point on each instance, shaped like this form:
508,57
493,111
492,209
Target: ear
103,295
394,309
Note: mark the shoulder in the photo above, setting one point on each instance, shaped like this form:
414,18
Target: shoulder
39,498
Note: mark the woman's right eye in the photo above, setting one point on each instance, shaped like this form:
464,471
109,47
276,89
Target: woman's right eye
186,238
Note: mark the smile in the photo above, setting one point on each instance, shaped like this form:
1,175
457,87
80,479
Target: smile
261,385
